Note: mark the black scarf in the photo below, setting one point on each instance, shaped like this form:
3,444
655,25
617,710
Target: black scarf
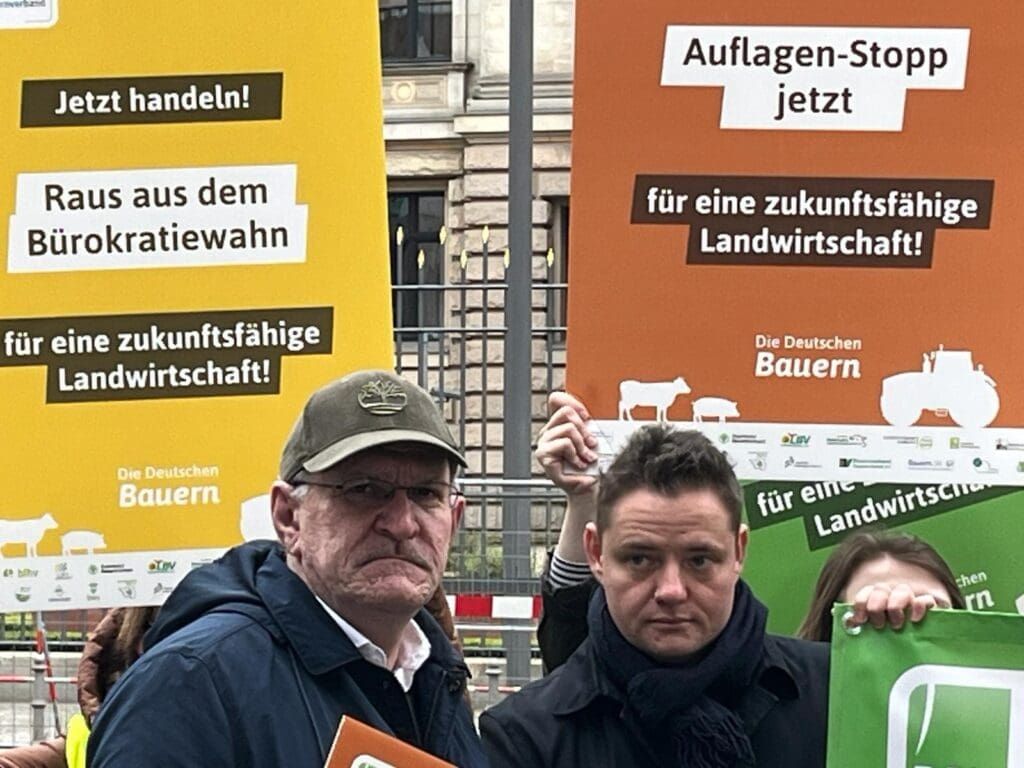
687,701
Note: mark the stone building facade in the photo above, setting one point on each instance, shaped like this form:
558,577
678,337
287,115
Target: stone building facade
446,101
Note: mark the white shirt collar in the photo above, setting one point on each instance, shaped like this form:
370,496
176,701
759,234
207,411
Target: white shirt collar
413,648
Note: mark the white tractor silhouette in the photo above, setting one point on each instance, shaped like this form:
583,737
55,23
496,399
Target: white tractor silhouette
947,385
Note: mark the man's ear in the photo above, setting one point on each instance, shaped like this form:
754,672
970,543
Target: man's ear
283,509
592,545
458,507
742,537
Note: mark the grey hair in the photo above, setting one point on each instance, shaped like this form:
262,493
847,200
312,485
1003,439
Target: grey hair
299,491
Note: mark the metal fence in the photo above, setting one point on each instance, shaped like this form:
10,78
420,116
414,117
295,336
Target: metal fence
457,354
460,359
38,695
461,363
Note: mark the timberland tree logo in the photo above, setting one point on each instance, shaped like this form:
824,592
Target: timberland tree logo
949,716
382,398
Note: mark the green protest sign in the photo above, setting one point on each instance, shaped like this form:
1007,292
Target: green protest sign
796,526
945,693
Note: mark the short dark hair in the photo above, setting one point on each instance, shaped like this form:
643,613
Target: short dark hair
855,551
667,461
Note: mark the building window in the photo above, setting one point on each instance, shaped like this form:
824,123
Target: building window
417,263
415,30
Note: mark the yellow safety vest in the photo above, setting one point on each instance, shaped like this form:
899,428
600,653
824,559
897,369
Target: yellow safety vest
76,741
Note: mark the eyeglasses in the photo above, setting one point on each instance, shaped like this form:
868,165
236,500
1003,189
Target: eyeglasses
374,492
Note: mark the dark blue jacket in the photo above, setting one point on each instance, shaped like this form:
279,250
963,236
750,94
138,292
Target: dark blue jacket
244,669
573,717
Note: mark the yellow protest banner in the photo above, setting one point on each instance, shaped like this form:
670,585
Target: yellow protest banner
194,236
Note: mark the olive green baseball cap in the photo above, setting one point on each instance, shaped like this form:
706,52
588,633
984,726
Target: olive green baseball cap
365,409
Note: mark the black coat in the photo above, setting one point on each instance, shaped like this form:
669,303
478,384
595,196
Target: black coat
563,621
572,716
244,669
786,713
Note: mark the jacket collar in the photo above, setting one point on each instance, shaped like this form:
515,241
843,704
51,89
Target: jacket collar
777,673
586,685
301,622
581,683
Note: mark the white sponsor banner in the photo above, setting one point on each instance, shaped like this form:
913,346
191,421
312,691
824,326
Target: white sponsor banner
79,580
848,452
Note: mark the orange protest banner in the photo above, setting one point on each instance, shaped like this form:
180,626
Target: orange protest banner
796,227
801,221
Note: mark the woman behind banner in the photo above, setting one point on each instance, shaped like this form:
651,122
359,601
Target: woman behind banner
899,561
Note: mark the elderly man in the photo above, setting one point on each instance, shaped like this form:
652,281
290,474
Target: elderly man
254,659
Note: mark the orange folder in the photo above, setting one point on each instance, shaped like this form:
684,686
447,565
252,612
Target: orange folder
357,745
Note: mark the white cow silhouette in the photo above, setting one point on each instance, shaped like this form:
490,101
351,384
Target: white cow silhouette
28,532
659,394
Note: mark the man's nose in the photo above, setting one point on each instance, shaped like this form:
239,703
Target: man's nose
398,518
671,584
